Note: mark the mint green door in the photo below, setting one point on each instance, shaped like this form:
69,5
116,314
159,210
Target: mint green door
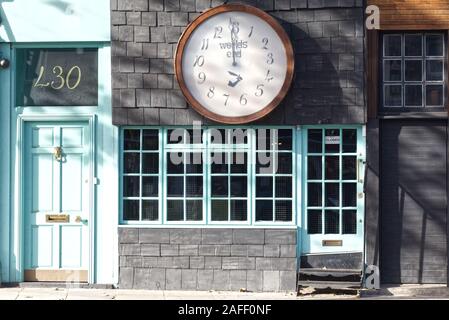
56,201
333,198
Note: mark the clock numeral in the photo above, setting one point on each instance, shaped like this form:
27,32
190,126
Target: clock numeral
243,100
218,32
270,58
211,92
205,44
268,77
227,98
199,61
265,43
202,77
251,32
259,91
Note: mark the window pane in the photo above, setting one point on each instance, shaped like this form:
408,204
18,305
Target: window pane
332,167
314,168
150,210
349,222
285,139
265,162
413,96
131,139
315,141
130,210
314,194
219,210
434,95
131,186
392,70
150,163
175,136
283,210
194,210
349,140
218,136
393,95
264,187
175,210
194,136
175,186
393,45
264,210
283,187
413,70
332,141
331,222
332,194
264,139
434,70
284,163
349,168
314,222
194,162
150,140
131,163
434,45
239,162
239,210
219,162
194,186
413,45
175,163
239,186
349,194
219,186
150,186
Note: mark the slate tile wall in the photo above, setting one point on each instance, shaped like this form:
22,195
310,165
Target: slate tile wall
208,259
328,38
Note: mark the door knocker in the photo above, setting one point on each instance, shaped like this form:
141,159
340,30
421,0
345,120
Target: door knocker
57,152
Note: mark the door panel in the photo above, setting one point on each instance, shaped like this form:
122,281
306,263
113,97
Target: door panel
333,190
413,201
57,249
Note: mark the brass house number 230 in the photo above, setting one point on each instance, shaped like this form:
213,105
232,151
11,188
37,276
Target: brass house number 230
60,80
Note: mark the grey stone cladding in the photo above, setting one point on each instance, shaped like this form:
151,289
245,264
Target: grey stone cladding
208,259
328,39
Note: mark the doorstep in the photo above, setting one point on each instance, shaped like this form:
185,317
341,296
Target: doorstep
407,290
81,285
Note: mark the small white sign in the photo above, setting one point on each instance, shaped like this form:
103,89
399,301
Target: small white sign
332,140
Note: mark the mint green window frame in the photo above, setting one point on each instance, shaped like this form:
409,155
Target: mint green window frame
206,148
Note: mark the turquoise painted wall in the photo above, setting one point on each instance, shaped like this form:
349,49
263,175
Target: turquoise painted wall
57,23
54,20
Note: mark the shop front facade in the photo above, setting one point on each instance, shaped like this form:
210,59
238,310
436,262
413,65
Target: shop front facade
59,151
407,203
191,216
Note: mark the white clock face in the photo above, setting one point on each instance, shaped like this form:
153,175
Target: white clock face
234,64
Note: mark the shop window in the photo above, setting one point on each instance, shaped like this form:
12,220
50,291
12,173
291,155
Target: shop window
331,168
414,72
140,175
274,175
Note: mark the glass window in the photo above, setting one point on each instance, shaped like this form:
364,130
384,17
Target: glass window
140,175
274,175
331,193
414,74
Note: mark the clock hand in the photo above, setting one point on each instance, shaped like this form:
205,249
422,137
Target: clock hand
232,27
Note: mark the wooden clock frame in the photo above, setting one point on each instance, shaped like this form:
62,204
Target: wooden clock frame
280,32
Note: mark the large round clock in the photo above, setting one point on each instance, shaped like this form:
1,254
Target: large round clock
234,63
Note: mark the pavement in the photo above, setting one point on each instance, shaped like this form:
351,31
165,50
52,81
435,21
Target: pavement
401,292
18,293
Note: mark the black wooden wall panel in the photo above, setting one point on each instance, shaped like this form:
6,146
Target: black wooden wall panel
413,201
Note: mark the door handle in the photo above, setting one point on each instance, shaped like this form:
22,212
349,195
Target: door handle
57,153
78,219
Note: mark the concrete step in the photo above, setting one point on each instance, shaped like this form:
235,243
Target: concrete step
82,285
330,272
329,284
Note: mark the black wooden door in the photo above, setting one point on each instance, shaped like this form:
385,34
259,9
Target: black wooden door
413,201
